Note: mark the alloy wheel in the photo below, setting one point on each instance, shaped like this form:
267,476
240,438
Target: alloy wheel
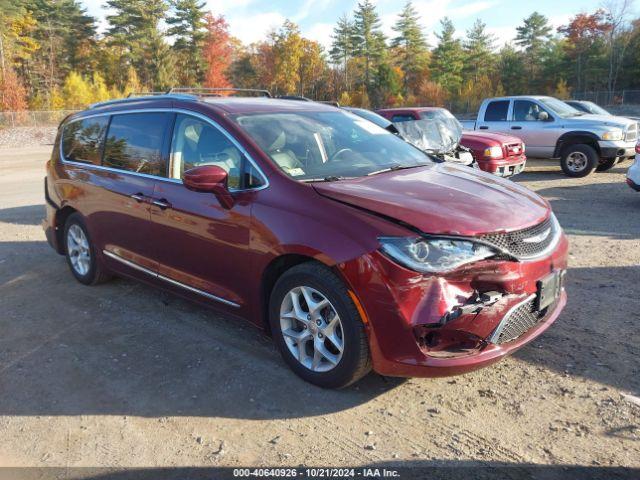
311,329
577,161
78,250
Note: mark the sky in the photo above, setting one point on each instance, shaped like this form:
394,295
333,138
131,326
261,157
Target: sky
251,20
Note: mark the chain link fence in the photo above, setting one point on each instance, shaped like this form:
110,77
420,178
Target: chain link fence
606,98
33,118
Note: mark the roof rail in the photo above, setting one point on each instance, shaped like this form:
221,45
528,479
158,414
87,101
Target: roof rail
215,92
145,94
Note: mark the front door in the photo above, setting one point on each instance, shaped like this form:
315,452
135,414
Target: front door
537,130
202,245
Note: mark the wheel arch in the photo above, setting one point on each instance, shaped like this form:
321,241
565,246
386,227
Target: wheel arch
274,270
576,138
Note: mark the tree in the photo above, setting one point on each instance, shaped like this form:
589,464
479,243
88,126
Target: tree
161,65
511,65
479,49
343,46
368,37
584,35
412,45
189,26
133,26
447,61
13,95
617,14
532,36
312,67
76,92
288,51
217,52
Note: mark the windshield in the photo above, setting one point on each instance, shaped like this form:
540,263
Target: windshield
443,115
317,146
559,107
371,116
595,109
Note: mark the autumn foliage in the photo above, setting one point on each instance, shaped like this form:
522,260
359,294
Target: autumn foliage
13,95
217,52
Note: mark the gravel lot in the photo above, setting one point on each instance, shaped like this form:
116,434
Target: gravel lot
123,375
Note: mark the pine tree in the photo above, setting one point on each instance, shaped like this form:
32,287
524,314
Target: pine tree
412,45
133,26
343,46
532,37
161,65
448,58
187,25
368,36
479,49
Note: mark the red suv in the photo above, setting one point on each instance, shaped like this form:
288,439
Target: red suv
352,248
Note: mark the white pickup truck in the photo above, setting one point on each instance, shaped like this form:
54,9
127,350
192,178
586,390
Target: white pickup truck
552,129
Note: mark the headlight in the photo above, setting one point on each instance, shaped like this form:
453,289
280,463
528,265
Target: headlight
613,135
493,152
434,255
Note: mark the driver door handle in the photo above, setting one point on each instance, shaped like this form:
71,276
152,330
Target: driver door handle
483,127
138,197
163,204
516,128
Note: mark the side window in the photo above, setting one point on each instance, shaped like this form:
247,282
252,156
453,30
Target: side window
197,143
497,111
134,143
402,118
82,139
527,111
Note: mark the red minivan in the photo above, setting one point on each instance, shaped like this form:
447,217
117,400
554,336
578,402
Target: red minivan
353,249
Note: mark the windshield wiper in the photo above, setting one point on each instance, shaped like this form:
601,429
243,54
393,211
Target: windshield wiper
330,178
395,168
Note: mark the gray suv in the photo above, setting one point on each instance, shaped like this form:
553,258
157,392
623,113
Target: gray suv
552,129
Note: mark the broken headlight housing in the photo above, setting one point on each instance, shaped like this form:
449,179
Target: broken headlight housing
434,255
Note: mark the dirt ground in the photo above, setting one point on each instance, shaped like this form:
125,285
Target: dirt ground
123,375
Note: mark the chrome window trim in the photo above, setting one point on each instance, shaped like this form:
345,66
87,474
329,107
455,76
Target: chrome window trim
140,268
165,179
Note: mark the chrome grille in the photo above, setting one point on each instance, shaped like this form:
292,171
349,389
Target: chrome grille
632,133
527,243
519,321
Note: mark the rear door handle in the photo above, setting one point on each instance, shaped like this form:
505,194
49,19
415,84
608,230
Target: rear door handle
483,127
516,128
138,197
162,204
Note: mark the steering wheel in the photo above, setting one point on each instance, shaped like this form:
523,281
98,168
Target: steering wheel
338,153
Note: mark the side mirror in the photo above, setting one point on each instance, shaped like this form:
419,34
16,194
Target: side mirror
209,179
543,116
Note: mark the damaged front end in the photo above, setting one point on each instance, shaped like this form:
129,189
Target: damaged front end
434,324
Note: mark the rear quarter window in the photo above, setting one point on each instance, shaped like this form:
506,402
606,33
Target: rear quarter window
82,139
135,143
497,111
402,118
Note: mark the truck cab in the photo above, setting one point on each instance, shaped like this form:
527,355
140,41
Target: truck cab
552,129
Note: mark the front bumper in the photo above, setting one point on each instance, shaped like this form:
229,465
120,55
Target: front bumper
617,149
633,175
504,167
401,305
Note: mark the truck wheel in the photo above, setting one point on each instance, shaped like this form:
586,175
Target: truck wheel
607,164
579,160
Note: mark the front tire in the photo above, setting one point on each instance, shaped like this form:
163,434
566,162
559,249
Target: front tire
80,252
607,164
317,327
579,160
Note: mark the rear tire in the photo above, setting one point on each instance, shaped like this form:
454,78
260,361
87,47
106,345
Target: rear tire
80,252
325,342
607,164
579,160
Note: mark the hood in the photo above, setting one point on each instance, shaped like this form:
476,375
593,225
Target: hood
609,120
501,138
443,198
